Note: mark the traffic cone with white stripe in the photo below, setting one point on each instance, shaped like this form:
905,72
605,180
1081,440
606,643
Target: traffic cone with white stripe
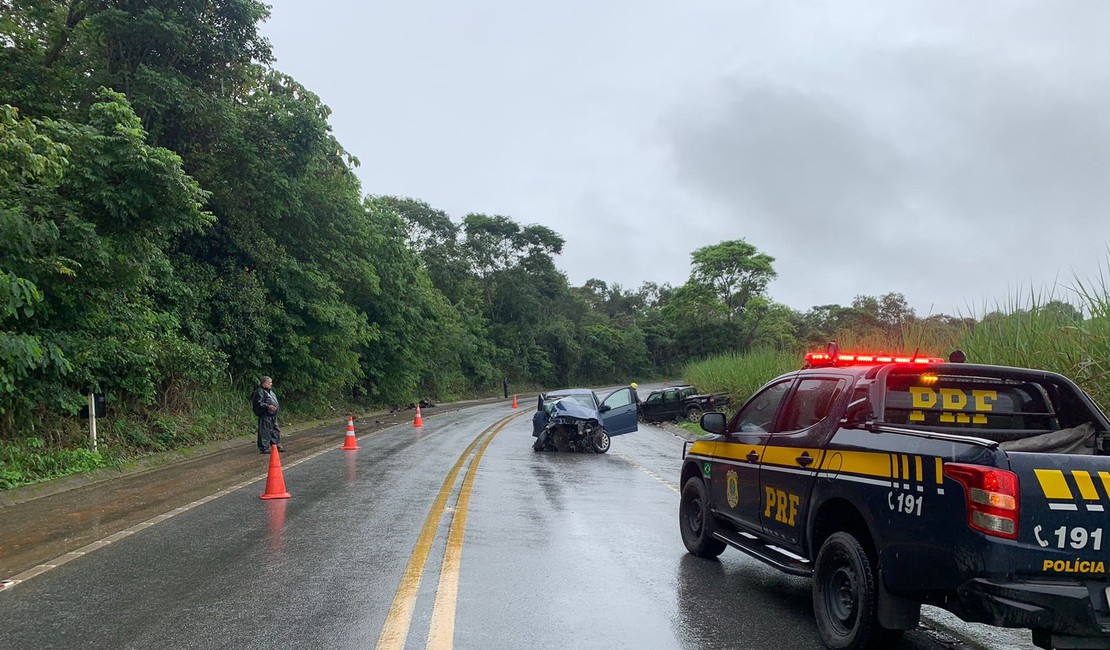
350,444
514,401
275,481
419,421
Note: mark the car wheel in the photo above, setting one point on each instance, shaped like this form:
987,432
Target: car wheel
541,441
695,521
599,442
845,597
693,414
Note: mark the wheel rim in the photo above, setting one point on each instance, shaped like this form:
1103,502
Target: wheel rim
693,415
603,442
842,598
693,516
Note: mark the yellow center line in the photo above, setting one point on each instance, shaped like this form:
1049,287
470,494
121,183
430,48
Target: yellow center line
441,635
396,629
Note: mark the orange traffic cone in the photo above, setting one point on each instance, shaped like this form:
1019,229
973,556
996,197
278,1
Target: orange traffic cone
275,482
419,421
514,401
350,444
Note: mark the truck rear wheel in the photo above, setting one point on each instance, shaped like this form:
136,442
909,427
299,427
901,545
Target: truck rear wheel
693,414
845,597
696,521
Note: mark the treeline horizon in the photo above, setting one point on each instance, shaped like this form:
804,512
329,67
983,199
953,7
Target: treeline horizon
176,217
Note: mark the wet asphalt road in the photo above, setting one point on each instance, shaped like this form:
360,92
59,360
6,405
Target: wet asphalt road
453,535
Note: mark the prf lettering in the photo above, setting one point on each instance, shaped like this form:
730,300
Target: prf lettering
951,399
785,505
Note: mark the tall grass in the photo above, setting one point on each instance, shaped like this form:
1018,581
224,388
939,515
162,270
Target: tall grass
1031,332
740,375
925,338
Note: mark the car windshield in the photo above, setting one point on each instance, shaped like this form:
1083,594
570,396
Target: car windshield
584,400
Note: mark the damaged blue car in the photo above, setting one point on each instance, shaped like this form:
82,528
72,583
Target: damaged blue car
574,419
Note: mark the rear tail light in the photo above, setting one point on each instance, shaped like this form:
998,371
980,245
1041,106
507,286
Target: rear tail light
992,498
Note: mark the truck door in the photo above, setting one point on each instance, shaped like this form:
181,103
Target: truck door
672,405
618,412
793,453
734,490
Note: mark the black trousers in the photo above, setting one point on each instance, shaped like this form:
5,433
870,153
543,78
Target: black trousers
268,432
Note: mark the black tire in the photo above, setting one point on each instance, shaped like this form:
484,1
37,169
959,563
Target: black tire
541,441
693,414
846,597
695,521
599,441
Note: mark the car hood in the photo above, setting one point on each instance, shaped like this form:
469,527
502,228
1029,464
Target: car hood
571,408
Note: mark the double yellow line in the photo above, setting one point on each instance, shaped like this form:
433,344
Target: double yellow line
441,634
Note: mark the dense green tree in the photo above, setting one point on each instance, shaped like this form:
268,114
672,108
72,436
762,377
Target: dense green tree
31,167
90,231
736,272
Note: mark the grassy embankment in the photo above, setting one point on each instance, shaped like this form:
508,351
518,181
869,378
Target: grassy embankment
1021,333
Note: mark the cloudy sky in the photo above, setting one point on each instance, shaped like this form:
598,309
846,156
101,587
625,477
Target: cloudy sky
956,152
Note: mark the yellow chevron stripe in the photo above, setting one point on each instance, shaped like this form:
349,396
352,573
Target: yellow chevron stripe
920,473
1086,485
1053,483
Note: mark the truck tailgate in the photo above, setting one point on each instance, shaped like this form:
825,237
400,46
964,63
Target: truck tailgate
1065,511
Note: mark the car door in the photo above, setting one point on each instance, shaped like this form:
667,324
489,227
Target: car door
672,405
734,490
794,451
652,406
618,412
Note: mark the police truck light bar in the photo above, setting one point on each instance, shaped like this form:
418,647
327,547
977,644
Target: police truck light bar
822,358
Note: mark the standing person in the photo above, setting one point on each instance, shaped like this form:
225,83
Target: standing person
264,403
505,385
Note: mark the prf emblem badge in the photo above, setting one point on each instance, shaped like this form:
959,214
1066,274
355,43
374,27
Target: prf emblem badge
733,493
705,469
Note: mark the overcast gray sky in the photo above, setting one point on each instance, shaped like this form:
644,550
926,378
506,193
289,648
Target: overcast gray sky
956,152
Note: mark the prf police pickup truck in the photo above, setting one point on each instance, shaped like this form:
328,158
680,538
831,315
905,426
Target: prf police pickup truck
897,481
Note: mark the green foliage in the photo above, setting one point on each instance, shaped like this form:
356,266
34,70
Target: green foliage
740,375
29,461
735,271
31,166
1044,332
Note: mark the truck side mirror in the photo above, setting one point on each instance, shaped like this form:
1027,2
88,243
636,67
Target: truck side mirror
713,422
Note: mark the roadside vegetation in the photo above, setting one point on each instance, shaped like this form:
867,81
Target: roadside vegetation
177,219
